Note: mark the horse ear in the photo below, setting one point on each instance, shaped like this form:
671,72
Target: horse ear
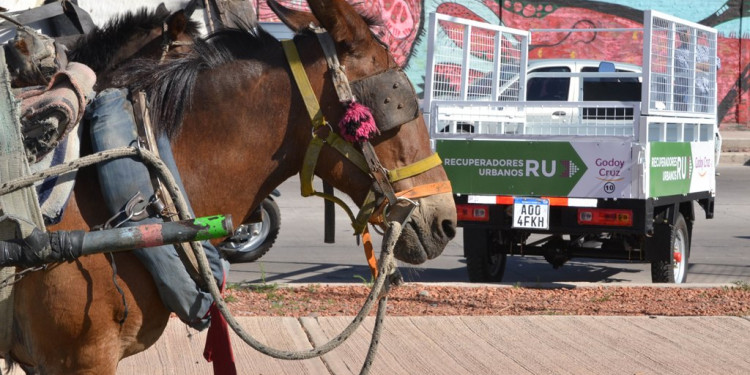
294,19
176,24
345,25
161,8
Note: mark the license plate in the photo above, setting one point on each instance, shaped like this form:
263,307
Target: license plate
531,213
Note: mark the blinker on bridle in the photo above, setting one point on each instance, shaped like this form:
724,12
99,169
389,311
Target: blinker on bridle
389,100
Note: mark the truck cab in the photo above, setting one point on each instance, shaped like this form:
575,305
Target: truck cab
561,80
543,87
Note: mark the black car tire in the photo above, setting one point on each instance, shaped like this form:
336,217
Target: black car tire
251,250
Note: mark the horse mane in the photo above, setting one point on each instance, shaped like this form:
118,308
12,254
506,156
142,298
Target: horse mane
97,48
170,84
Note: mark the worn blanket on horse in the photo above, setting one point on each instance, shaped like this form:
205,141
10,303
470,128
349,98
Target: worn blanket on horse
49,124
49,113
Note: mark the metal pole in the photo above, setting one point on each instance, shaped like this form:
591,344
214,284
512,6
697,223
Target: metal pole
40,247
329,218
157,234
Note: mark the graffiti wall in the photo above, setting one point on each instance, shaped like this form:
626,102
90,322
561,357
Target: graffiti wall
402,23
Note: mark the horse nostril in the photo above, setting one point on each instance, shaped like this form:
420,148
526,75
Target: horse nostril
449,228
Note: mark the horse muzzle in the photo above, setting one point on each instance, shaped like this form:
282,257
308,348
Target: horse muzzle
428,230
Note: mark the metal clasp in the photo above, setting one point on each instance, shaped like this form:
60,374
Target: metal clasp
414,205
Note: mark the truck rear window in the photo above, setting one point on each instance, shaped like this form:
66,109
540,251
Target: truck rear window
543,88
610,89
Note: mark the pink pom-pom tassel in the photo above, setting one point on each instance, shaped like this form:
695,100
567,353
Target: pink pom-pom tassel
357,125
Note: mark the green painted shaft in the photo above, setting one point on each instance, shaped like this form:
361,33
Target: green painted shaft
151,235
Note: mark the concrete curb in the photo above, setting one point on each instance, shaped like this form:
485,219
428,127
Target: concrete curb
734,158
735,147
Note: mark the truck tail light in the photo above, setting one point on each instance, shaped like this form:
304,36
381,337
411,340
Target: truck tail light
603,216
473,212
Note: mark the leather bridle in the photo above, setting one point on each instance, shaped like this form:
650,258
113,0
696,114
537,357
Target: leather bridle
382,195
167,43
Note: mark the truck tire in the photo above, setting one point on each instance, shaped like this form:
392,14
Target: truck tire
675,269
485,262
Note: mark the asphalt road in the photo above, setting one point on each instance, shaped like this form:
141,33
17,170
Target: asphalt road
720,250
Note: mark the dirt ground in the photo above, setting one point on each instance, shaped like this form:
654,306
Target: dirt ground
425,299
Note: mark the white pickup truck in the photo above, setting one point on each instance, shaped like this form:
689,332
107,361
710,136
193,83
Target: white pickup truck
574,158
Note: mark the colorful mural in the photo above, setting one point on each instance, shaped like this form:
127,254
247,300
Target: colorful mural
402,27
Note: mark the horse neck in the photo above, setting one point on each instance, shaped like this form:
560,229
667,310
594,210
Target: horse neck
234,148
224,159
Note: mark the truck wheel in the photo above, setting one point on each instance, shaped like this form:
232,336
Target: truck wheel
485,262
675,269
252,241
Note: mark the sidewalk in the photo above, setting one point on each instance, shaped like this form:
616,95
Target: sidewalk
475,345
735,147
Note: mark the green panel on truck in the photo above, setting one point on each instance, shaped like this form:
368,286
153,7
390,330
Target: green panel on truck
511,167
670,168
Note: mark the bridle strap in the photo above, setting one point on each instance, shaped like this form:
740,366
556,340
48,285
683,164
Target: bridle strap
415,168
307,172
378,172
167,43
303,83
366,161
338,72
377,217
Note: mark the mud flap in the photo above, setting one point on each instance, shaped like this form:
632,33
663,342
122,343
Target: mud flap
659,244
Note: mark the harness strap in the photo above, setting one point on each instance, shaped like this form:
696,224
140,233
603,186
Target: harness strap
378,216
365,212
167,42
415,168
305,88
163,200
378,172
372,262
338,72
348,150
426,190
307,173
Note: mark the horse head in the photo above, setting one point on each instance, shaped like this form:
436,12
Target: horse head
402,139
142,34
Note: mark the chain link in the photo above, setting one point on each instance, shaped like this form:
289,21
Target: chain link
16,277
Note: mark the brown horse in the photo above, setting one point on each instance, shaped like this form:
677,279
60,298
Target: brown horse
246,124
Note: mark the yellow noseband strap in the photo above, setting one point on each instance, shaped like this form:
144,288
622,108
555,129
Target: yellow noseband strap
414,169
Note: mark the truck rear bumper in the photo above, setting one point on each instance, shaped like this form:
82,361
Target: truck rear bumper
564,219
